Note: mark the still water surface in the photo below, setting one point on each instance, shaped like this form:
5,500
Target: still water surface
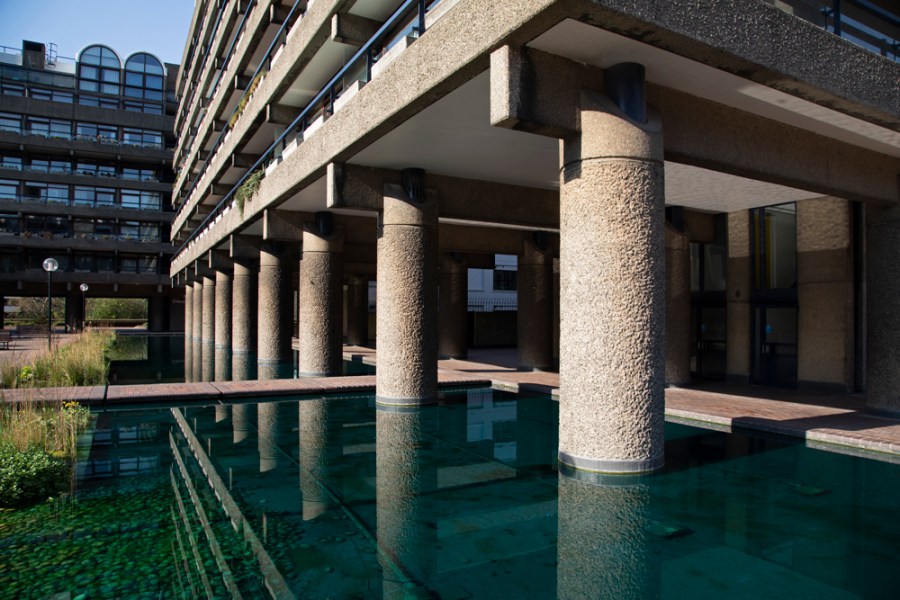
331,498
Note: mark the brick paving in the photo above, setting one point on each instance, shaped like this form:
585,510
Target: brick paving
837,422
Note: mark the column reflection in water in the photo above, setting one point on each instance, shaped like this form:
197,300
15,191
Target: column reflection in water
407,536
239,423
315,456
267,418
223,411
603,542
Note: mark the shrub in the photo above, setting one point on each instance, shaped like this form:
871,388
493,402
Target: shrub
248,189
30,476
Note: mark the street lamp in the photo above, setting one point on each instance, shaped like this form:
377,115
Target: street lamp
50,265
84,288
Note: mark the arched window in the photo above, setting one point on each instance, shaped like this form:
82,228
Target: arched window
144,77
99,70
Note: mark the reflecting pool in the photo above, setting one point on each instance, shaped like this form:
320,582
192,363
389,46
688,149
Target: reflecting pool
333,498
165,358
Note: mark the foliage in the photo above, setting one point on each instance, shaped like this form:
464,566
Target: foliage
33,311
128,347
103,309
81,362
30,476
245,99
248,189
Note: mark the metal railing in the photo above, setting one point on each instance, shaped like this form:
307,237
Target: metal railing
859,21
80,137
365,57
149,206
277,42
80,172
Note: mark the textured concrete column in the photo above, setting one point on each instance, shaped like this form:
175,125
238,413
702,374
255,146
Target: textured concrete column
883,309
404,473
357,310
535,305
244,289
197,318
407,295
224,306
315,456
275,314
737,297
188,333
197,327
321,302
453,306
208,329
825,294
612,296
678,308
604,548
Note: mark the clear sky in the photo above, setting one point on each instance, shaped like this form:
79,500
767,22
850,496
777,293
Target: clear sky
156,26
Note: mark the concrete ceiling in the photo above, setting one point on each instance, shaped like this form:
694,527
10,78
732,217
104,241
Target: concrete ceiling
454,136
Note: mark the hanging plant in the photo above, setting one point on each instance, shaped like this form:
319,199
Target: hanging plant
247,189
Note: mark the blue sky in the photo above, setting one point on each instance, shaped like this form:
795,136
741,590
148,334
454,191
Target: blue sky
156,26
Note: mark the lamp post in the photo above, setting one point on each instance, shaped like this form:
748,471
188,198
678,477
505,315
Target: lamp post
50,265
84,288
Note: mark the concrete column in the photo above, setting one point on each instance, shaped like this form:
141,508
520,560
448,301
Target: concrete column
407,294
188,332
883,309
535,305
358,310
825,292
612,296
678,307
197,318
208,325
197,325
223,327
604,547
158,308
275,314
453,306
244,289
737,297
74,311
321,300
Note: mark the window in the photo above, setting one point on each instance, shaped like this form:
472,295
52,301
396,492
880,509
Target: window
9,224
84,262
142,200
99,70
144,77
98,101
50,165
505,280
106,134
83,228
47,192
10,162
9,189
12,89
142,137
54,128
129,230
105,229
52,95
10,122
140,174
149,232
144,107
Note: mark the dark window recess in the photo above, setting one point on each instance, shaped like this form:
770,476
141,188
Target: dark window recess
505,281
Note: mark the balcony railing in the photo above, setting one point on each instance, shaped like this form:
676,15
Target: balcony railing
149,206
407,23
860,21
68,135
80,172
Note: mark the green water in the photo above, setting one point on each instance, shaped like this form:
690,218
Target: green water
335,499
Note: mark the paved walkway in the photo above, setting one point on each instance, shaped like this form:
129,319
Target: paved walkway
21,349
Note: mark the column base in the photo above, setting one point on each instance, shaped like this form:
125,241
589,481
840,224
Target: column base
610,466
382,403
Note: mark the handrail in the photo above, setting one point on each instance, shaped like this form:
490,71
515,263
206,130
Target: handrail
365,52
266,59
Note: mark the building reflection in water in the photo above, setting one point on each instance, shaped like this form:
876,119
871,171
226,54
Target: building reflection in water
267,420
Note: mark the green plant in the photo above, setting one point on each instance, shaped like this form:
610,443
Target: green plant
30,476
245,99
248,189
82,362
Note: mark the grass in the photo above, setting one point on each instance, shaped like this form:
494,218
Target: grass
82,362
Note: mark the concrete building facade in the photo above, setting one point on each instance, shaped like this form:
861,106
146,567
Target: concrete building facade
86,178
691,191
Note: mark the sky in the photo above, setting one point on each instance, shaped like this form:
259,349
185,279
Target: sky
156,26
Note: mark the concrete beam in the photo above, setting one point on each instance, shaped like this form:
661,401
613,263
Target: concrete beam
219,260
352,29
283,225
242,161
533,91
461,200
243,247
277,114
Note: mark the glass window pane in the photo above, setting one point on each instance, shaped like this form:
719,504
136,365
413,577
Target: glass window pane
155,82
90,72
